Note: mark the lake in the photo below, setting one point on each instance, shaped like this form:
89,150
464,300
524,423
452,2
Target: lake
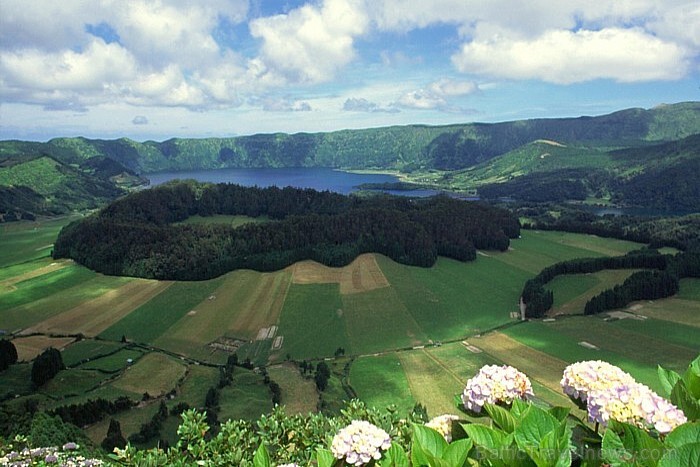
299,177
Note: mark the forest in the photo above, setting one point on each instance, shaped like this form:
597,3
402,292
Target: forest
138,235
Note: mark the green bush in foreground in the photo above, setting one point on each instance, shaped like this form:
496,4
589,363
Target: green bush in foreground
637,428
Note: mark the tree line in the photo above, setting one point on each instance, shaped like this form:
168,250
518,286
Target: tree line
139,236
660,278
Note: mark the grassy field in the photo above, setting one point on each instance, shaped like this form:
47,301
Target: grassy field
381,381
299,394
114,362
242,304
572,291
232,221
28,240
88,349
152,319
312,321
155,374
246,398
369,308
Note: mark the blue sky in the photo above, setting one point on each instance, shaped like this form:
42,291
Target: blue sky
156,69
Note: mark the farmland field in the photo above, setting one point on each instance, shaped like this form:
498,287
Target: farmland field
572,291
402,327
299,394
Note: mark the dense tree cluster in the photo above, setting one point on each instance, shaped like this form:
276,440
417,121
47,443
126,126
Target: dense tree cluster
46,366
322,375
659,279
137,235
151,429
678,232
539,187
92,411
539,300
8,354
642,285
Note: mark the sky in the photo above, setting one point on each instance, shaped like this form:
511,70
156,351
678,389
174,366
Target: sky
157,69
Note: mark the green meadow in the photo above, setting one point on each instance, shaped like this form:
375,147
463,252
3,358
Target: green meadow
402,340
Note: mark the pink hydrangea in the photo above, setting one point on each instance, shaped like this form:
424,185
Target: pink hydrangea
635,404
495,384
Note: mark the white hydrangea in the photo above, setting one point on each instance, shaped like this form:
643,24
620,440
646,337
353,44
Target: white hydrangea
494,384
443,425
581,378
360,442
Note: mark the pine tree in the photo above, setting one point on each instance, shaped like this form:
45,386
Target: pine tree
114,438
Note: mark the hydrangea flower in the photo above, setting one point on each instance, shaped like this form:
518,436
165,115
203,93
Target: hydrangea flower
635,404
360,442
582,378
443,425
494,384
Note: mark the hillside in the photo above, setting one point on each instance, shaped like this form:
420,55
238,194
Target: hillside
661,176
402,148
630,158
45,186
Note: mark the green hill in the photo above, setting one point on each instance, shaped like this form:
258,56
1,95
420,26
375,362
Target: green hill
603,157
43,185
401,147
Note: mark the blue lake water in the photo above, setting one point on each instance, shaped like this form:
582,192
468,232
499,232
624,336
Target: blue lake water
299,177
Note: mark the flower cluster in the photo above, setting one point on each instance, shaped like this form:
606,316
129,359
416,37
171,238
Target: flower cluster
443,425
582,378
635,404
360,442
494,384
611,394
48,456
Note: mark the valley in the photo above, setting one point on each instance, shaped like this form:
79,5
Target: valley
391,333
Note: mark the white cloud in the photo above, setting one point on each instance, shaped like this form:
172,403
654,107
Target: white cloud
354,104
565,57
421,99
311,43
437,95
140,120
447,87
284,105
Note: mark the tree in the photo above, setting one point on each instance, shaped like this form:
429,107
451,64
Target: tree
8,354
323,373
114,438
46,366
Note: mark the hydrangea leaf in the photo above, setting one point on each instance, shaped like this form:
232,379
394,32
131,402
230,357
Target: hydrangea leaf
457,452
614,451
429,440
501,417
324,458
692,378
262,457
534,426
560,413
687,433
645,450
681,397
395,456
486,437
668,379
687,455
